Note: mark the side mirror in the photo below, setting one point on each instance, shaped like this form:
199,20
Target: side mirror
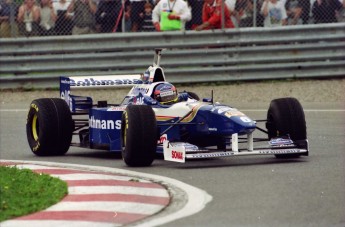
207,100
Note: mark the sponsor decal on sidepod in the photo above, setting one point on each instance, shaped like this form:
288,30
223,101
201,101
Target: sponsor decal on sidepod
104,124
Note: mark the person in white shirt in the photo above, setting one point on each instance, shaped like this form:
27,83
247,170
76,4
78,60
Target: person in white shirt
63,24
274,12
48,18
178,9
28,18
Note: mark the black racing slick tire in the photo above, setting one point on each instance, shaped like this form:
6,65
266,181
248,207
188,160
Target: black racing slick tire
285,116
49,127
138,135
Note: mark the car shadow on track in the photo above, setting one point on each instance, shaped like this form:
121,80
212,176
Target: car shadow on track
190,164
228,162
99,154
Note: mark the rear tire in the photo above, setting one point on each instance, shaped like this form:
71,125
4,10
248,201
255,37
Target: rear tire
285,116
49,127
139,135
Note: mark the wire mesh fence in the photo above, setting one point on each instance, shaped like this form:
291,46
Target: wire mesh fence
20,18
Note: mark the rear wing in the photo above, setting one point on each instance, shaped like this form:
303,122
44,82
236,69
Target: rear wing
77,103
100,81
80,103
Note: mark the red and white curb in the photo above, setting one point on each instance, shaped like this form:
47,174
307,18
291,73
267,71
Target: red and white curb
101,196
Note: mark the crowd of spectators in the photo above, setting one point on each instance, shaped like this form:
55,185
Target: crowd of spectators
71,17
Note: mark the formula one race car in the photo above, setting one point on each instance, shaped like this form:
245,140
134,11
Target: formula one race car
155,118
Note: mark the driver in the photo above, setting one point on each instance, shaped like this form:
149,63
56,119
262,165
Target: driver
145,77
165,93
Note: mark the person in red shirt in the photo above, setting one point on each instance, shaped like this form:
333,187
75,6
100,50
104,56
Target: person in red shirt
212,16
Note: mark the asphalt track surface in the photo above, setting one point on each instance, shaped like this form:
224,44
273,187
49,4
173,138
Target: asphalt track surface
246,191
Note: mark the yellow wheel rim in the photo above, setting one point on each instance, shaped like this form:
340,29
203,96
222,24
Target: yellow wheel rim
124,137
34,127
125,130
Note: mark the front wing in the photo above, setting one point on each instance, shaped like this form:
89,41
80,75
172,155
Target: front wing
181,151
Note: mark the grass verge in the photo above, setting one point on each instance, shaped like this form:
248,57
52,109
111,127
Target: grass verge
23,192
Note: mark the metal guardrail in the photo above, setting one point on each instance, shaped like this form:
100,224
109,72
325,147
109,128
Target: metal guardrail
208,56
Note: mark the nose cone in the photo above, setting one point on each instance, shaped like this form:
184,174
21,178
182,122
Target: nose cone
227,120
242,124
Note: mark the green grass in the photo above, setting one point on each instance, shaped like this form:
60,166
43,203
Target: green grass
23,192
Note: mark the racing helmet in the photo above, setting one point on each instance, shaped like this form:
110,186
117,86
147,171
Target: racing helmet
165,93
146,76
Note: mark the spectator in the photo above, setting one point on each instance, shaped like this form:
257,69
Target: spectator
137,8
48,18
244,13
128,10
231,6
28,18
324,11
171,15
305,4
84,16
108,15
259,17
294,9
147,25
212,16
196,8
341,13
5,26
63,23
274,13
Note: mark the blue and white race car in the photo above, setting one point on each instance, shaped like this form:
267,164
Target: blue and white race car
155,118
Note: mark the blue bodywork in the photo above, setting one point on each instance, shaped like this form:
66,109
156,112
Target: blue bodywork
209,127
195,122
206,124
186,128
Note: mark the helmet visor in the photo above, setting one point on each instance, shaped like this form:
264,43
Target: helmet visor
167,96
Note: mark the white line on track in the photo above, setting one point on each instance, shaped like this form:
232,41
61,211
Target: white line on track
305,110
80,190
115,206
54,223
79,176
91,176
14,110
242,110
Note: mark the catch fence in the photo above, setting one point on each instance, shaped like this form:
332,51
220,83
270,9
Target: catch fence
75,17
311,51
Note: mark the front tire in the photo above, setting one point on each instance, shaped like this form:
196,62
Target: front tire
285,116
49,127
138,135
